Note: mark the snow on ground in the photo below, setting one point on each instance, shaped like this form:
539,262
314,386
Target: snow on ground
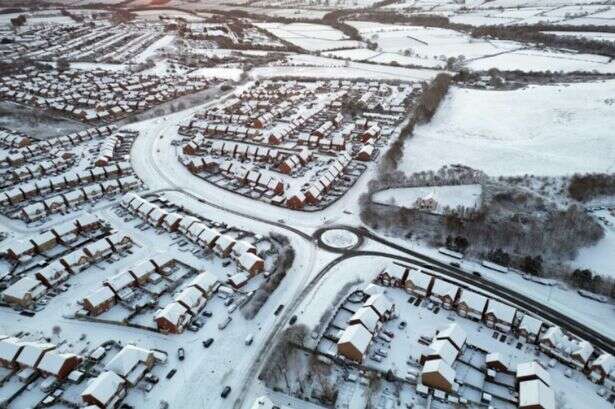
153,48
155,14
327,68
93,66
221,72
429,42
312,37
445,196
542,60
600,257
364,55
341,239
542,130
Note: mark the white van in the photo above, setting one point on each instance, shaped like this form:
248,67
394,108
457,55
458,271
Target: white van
249,340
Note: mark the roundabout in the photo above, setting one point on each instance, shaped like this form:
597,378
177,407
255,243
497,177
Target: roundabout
338,239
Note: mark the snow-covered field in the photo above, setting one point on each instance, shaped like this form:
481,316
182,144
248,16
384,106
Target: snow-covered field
429,42
445,196
543,130
312,37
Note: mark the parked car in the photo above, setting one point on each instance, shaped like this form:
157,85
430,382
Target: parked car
293,319
207,314
207,343
224,323
181,354
225,392
171,373
249,340
278,310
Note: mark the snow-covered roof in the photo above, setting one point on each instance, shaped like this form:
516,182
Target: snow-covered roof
502,312
380,303
443,288
583,351
125,360
443,349
535,394
191,298
52,363
32,352
9,348
247,260
104,387
204,282
356,335
533,370
99,296
455,334
606,362
419,279
366,316
530,324
22,287
473,300
440,367
173,312
396,271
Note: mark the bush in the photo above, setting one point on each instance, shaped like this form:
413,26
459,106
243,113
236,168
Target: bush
590,186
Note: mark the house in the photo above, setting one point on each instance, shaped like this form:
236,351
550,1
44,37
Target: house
381,305
419,283
495,361
602,367
527,371
10,348
499,316
535,395
454,334
366,317
205,282
105,391
163,264
471,305
119,242
238,280
24,292
437,374
242,246
296,201
444,293
171,222
75,261
120,282
529,328
172,318
99,301
131,363
394,275
224,245
52,274
440,349
251,263
32,353
20,251
192,299
354,342
98,250
581,354
58,365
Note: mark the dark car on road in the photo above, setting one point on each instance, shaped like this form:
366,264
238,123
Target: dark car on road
225,391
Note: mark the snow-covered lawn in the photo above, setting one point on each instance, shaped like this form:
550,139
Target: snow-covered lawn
600,258
445,196
543,130
364,54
